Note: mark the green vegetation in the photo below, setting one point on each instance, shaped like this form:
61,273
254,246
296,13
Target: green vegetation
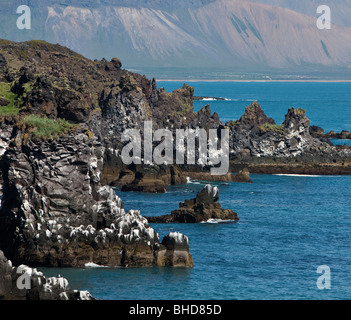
41,44
185,109
4,42
45,128
233,124
301,111
272,127
5,92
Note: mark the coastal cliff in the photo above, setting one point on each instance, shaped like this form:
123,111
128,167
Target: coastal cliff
56,213
61,121
60,115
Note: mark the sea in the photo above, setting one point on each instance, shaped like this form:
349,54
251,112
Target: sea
293,240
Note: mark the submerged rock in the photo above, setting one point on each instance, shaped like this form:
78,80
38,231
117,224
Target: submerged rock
201,209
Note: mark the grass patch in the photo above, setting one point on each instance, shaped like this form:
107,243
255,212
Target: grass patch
272,127
5,92
40,44
185,109
45,128
301,111
233,124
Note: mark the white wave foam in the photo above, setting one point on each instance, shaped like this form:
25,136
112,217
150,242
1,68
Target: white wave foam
189,181
93,265
218,221
298,175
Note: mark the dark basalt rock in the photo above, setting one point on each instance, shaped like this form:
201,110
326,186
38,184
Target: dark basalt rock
201,209
153,179
55,212
316,132
343,135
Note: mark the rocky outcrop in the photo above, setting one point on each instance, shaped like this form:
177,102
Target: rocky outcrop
260,145
343,135
319,133
201,209
256,135
24,283
56,213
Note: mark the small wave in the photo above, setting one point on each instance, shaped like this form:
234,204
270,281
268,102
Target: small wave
299,175
94,265
189,181
242,100
218,221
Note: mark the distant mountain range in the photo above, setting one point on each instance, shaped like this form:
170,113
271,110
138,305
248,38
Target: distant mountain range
245,36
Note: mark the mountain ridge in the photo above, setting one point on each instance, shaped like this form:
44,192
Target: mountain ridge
242,35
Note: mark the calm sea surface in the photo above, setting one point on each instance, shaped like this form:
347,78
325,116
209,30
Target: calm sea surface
289,225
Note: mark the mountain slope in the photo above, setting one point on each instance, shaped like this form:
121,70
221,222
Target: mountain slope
238,34
340,9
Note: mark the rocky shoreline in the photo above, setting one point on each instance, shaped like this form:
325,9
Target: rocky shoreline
62,118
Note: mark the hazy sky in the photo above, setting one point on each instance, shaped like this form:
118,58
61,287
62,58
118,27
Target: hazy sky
341,9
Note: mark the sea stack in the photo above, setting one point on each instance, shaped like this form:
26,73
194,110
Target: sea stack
201,209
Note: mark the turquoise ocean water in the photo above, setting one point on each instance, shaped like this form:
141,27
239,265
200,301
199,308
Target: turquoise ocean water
289,225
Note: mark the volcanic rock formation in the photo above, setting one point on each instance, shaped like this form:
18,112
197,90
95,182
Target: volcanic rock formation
201,209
